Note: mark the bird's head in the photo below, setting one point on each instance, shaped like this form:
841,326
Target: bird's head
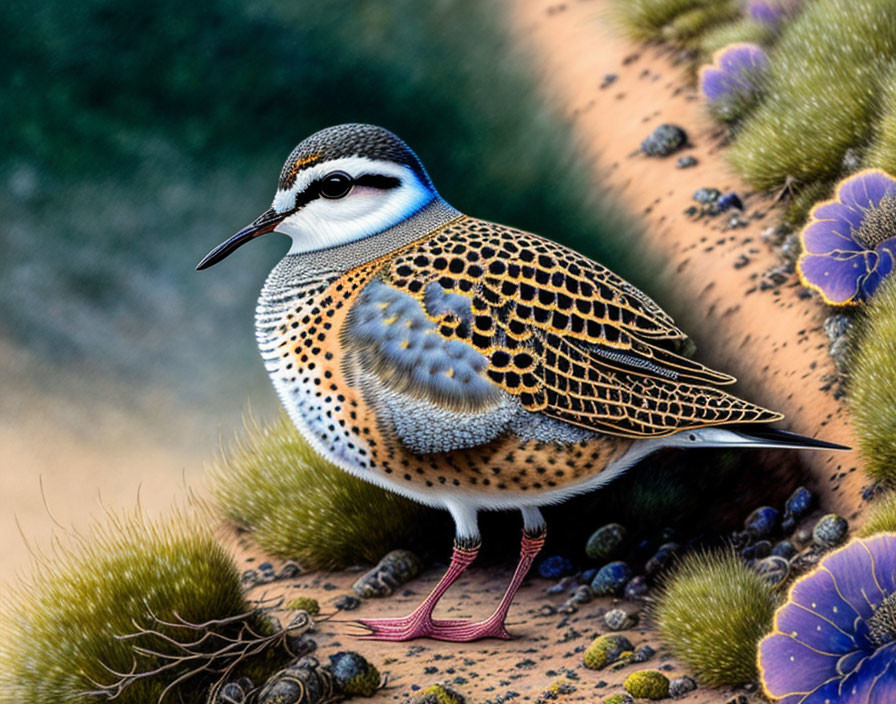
340,185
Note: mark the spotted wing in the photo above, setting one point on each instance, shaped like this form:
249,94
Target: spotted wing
567,336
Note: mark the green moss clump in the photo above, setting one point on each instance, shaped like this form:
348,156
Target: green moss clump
647,684
58,631
438,694
619,698
823,93
882,152
872,393
695,22
742,31
645,19
605,650
881,516
305,603
300,507
712,613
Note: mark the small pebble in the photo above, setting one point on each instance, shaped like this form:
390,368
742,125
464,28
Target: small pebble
686,162
762,522
608,80
784,549
619,620
347,602
556,566
395,569
681,686
661,559
775,234
773,569
664,140
582,595
354,674
756,551
611,579
830,531
729,201
642,654
604,543
800,501
562,586
636,587
707,195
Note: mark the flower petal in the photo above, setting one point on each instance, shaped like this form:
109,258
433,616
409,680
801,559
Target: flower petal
828,693
789,667
874,677
818,593
825,236
846,217
852,570
883,560
865,189
809,628
838,280
878,271
713,83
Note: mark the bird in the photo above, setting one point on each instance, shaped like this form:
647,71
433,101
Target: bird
467,365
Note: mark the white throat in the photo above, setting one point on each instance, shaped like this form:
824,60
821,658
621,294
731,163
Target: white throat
324,223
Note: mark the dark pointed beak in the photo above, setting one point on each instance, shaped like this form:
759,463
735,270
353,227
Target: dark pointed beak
265,223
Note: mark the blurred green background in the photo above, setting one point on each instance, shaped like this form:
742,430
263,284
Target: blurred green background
137,135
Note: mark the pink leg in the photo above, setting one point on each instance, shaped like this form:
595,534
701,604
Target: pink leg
420,624
493,626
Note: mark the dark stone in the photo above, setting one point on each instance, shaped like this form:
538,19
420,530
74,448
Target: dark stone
611,579
762,522
686,162
729,201
664,140
605,542
347,602
756,551
784,549
556,566
636,588
707,195
800,501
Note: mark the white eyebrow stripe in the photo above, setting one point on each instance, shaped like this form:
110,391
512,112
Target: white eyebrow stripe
354,166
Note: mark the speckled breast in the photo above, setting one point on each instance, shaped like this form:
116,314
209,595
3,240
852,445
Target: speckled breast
303,318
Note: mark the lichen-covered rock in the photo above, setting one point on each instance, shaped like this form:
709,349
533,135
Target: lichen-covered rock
620,698
773,569
799,502
762,522
605,542
830,531
395,569
611,579
354,674
680,686
619,620
303,682
605,650
664,140
647,684
305,603
438,694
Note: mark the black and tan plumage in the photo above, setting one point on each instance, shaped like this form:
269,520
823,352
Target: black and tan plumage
465,364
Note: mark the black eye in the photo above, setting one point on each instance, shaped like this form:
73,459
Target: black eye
336,185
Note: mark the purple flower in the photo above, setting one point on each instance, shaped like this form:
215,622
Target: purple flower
834,641
770,12
733,80
850,241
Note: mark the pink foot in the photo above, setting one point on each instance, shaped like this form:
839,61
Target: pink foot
410,627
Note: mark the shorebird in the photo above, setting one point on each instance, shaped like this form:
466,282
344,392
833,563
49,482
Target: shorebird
467,365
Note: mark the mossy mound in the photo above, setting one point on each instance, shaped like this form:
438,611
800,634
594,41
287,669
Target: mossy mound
302,508
742,31
712,613
605,650
823,90
881,152
647,684
60,632
881,516
872,391
654,19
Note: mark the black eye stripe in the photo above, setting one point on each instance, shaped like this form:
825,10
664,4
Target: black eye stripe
312,191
